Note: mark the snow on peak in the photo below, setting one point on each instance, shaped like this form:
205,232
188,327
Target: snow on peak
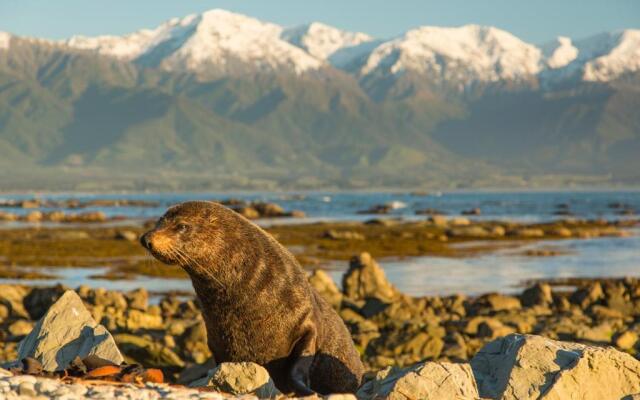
462,54
610,55
220,40
199,40
5,38
560,52
322,41
220,34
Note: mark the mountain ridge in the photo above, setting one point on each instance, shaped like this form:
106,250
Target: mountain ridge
223,100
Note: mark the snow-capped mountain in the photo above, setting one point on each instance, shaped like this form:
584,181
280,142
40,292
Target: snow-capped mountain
559,53
609,55
226,42
599,58
465,54
213,38
322,41
4,40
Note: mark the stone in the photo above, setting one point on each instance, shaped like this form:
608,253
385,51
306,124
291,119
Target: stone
561,231
527,233
108,298
626,340
248,212
539,294
269,210
365,278
326,287
438,220
597,334
493,328
474,231
459,221
425,381
343,235
39,300
534,367
240,379
13,297
34,216
20,327
587,296
66,331
130,236
147,352
500,302
136,319
196,372
138,299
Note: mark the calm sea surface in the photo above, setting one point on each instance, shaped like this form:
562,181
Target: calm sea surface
503,271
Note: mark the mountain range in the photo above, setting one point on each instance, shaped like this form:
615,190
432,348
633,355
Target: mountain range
220,100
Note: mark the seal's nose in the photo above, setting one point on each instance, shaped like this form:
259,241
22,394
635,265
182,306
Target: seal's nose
145,241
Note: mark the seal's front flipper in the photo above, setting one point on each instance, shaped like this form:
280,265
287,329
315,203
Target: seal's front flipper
303,354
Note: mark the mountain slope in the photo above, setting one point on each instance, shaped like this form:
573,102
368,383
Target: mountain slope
223,100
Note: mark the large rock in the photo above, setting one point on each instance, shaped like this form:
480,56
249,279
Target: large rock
13,296
423,381
366,279
66,331
240,379
534,367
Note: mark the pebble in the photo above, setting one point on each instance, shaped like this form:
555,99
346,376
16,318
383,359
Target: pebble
31,387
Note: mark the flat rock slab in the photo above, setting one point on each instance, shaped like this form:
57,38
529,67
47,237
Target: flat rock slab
66,331
534,367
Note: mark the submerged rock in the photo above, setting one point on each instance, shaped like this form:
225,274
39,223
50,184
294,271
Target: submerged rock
423,381
240,379
66,331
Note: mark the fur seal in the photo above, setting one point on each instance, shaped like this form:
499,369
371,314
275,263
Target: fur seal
256,301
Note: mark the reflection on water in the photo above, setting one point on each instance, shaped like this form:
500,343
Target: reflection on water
506,271
503,271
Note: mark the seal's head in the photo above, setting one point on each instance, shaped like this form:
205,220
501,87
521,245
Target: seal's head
188,234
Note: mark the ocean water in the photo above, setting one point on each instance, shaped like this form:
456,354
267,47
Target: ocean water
522,206
501,271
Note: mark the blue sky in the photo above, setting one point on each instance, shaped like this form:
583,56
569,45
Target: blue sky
533,21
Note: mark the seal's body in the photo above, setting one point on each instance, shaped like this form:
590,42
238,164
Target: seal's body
256,301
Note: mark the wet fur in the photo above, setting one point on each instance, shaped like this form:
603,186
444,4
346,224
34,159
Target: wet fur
257,303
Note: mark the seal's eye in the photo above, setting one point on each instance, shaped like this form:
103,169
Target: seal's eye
182,228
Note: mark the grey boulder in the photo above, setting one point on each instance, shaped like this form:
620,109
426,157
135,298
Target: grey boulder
66,331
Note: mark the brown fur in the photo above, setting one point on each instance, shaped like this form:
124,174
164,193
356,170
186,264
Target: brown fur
257,303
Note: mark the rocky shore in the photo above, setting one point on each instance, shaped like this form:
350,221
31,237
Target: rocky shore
545,342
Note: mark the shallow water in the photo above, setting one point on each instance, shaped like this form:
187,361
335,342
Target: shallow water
524,206
502,271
